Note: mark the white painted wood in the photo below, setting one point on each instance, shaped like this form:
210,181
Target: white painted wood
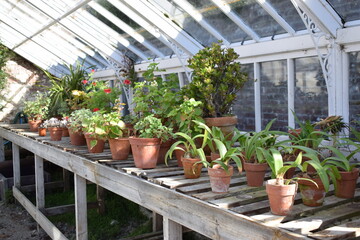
345,88
172,230
205,217
80,207
39,182
257,95
226,9
291,89
2,148
38,216
181,80
16,164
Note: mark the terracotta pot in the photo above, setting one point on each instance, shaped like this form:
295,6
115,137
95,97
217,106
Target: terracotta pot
214,156
99,146
311,195
179,154
145,151
42,132
281,197
65,132
220,179
34,125
77,138
255,173
226,124
120,148
347,184
55,133
191,171
130,128
164,147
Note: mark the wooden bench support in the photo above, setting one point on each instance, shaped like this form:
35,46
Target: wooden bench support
66,179
157,222
16,165
80,208
172,230
39,182
100,195
2,152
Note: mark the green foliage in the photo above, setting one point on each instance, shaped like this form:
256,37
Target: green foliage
185,113
94,124
155,96
217,78
5,55
341,160
37,109
151,127
61,88
77,118
113,126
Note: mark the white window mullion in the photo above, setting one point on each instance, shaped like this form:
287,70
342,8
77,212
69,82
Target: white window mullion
291,91
257,95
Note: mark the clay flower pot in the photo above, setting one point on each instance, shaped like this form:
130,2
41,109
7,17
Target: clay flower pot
164,147
255,173
55,133
77,138
311,195
99,146
145,151
347,184
281,197
42,132
65,132
120,148
220,179
179,154
190,169
34,125
226,124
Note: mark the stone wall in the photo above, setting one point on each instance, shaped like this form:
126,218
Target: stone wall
24,79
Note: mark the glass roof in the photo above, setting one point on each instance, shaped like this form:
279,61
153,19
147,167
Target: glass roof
57,32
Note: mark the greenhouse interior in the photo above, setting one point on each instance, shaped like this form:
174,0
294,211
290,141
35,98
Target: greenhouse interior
213,86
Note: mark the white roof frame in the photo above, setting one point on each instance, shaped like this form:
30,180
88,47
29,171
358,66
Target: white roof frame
181,38
198,17
125,27
225,7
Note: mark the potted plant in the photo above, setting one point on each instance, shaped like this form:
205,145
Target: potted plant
183,116
93,132
145,146
193,155
217,78
42,130
55,127
36,110
75,127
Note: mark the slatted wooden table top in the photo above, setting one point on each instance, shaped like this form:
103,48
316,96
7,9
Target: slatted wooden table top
336,219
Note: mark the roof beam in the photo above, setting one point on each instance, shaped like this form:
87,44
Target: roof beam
198,17
125,27
270,10
321,13
178,35
226,9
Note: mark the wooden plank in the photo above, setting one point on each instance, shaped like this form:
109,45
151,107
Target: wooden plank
38,216
16,165
179,181
240,199
2,150
39,182
205,217
100,196
172,230
80,207
48,185
323,219
157,222
51,211
66,180
344,231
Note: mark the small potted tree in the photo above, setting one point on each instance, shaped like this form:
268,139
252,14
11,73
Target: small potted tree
150,132
217,78
36,110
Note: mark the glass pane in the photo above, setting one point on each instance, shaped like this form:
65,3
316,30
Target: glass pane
311,98
287,11
354,89
257,18
274,97
155,42
219,21
348,10
244,107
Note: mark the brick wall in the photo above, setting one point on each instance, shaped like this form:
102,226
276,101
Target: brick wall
24,79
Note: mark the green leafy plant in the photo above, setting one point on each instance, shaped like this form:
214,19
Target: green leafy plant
113,126
151,127
341,160
37,109
61,88
77,118
156,96
217,78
